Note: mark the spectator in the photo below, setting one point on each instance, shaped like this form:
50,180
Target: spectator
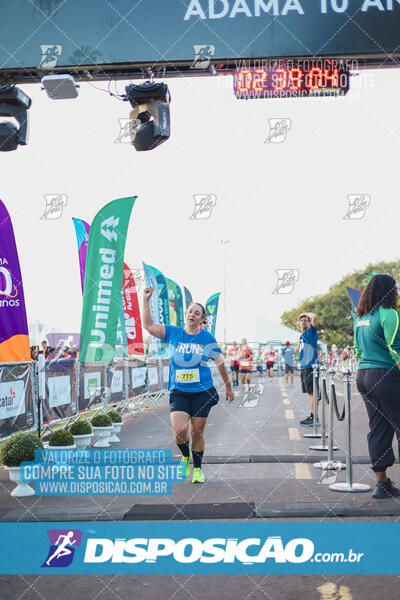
308,356
34,353
377,345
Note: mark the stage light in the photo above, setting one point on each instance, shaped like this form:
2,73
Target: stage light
13,103
60,87
150,116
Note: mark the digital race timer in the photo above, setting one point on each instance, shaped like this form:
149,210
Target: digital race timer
291,80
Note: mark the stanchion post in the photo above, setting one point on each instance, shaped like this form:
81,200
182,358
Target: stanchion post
348,485
330,463
315,433
322,446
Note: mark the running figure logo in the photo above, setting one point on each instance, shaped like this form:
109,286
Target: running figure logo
286,281
50,55
202,56
252,397
138,276
278,130
127,130
358,204
55,204
203,205
63,543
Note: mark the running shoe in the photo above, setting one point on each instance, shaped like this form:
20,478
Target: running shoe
198,475
184,466
386,489
308,422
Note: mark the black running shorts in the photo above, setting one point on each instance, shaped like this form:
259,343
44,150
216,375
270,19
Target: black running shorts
307,381
197,404
289,369
235,368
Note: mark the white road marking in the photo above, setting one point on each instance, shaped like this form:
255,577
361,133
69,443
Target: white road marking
302,471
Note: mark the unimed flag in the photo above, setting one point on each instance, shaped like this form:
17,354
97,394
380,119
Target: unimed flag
14,337
133,321
211,312
82,230
103,281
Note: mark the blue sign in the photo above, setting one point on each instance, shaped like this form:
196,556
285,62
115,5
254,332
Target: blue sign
52,33
212,548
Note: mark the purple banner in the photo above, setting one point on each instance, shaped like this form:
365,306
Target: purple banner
82,236
14,337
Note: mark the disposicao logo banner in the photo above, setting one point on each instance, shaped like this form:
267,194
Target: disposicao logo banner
207,548
14,337
133,323
211,312
103,281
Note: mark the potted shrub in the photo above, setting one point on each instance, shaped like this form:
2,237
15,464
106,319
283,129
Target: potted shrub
61,440
82,432
102,429
117,424
17,449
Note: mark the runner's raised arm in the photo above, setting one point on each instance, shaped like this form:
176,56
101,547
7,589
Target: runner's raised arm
156,329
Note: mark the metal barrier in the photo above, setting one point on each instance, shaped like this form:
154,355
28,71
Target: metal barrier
330,463
316,399
324,400
17,393
47,394
349,485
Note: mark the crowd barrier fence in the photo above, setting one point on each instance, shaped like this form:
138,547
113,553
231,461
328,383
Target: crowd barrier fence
42,396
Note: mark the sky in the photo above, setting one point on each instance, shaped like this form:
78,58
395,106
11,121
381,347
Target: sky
280,205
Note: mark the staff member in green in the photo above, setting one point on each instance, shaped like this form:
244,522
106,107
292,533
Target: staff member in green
377,345
192,391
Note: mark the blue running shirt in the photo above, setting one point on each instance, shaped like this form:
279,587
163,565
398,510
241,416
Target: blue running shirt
308,348
189,355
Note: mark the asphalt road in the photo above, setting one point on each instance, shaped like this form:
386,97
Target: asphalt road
258,466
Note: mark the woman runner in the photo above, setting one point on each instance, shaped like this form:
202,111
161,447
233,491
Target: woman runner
377,344
190,383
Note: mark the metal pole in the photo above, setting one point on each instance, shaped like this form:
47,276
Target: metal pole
349,486
330,464
322,446
315,433
225,242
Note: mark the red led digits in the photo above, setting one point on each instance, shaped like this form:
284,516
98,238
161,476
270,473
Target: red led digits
279,79
314,78
295,78
244,80
332,77
285,82
260,78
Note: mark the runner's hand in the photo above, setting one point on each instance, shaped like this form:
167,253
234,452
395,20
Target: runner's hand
229,393
147,293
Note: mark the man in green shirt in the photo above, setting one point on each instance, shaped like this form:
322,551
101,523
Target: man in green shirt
377,346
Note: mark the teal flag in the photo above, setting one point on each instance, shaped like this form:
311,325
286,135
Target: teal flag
176,311
163,298
211,312
103,281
